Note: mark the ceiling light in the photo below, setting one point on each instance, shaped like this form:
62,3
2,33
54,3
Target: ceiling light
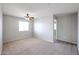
29,18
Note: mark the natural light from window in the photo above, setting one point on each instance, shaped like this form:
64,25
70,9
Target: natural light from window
23,26
55,24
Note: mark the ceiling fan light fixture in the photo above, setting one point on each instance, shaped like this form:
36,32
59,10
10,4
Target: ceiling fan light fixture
29,17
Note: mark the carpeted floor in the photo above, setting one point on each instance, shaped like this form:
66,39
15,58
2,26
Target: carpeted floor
34,46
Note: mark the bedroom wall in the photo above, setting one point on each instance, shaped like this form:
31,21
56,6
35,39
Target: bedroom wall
0,29
67,27
78,32
11,29
43,28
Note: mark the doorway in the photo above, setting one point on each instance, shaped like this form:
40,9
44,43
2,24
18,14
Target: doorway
65,27
55,28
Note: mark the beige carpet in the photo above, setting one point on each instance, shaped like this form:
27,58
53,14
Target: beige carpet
34,46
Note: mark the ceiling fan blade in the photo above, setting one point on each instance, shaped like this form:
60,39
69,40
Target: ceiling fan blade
31,18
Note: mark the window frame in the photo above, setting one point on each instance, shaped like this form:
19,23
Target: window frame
21,30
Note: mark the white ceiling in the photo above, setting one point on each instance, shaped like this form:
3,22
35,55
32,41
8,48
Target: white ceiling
38,9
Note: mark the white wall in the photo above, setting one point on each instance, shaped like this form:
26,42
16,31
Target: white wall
67,28
78,32
11,29
43,28
0,30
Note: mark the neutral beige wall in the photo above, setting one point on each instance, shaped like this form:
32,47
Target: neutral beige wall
67,27
43,28
11,29
0,30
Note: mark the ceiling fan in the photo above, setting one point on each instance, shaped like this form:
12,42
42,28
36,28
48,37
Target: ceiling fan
30,18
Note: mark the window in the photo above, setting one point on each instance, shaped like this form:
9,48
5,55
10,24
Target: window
23,26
